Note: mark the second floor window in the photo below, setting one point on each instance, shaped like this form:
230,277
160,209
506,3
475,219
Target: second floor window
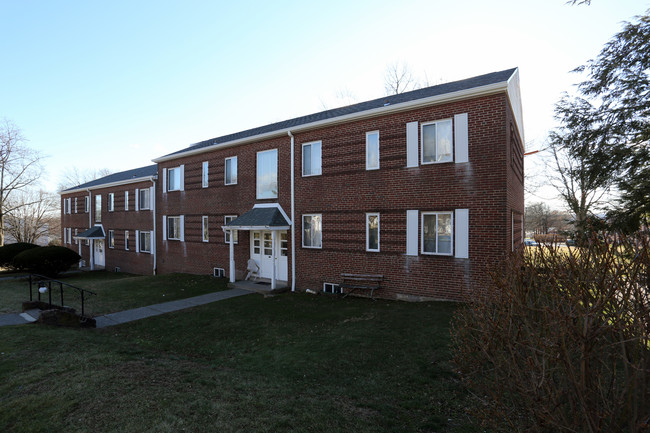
231,171
98,208
311,158
437,142
372,150
144,199
111,202
174,179
204,175
267,174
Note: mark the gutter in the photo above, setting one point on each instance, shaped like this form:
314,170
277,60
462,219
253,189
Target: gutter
379,111
108,185
293,218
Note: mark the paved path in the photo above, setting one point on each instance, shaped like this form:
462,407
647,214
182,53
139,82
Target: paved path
137,313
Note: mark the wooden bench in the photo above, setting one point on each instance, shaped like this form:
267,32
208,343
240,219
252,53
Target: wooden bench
353,282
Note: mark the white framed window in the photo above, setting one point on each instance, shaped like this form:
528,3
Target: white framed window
76,232
75,205
311,158
372,150
126,200
226,220
144,242
312,231
437,233
111,239
231,171
111,202
70,235
204,174
205,229
144,199
437,142
267,174
126,240
372,232
66,205
86,204
174,179
174,229
98,208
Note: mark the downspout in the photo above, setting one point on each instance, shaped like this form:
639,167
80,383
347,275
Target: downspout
155,234
293,218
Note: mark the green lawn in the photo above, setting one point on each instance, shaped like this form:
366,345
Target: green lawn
115,291
291,363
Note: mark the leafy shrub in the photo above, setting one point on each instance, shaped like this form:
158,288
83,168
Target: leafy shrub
8,252
560,342
48,261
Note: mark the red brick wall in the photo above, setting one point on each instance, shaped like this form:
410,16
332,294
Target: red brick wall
346,191
119,221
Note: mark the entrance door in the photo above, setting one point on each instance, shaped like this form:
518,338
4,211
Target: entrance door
100,258
262,252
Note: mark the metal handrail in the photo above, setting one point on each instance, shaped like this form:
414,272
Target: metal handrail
43,279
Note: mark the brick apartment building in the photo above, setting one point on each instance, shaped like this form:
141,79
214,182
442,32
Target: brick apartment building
424,188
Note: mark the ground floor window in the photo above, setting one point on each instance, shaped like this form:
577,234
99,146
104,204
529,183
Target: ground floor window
111,239
312,231
372,232
126,239
205,229
174,227
437,229
145,242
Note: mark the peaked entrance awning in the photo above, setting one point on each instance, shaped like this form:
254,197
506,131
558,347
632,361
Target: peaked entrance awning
96,232
261,218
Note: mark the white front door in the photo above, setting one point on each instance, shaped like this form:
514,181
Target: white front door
262,252
100,259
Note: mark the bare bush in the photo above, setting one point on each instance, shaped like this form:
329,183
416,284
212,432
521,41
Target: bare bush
560,342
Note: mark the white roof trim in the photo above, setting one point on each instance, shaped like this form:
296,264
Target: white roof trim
270,228
111,184
514,94
379,111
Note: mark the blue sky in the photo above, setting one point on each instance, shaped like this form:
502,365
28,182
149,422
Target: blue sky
115,84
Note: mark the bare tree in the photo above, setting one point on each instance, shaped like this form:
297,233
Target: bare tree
20,167
73,176
398,78
34,216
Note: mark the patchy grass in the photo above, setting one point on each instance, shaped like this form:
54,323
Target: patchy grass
115,291
250,364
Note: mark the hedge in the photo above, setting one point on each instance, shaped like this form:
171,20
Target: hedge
48,261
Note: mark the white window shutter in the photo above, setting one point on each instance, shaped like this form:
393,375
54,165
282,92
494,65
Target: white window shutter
461,137
411,232
152,198
137,241
164,180
164,227
126,200
182,218
182,186
137,199
412,154
461,233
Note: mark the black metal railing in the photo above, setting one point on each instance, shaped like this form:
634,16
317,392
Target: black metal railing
43,281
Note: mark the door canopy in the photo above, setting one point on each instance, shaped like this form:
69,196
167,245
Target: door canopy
261,217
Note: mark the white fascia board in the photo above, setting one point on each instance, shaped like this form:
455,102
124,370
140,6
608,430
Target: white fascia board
379,111
514,95
109,185
276,228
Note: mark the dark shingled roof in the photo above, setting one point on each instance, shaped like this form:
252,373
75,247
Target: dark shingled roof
260,217
456,86
150,170
92,233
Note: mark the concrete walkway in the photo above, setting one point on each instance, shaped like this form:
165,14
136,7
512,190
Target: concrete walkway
137,313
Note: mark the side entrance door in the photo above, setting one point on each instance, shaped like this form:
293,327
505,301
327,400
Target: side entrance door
100,258
262,252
